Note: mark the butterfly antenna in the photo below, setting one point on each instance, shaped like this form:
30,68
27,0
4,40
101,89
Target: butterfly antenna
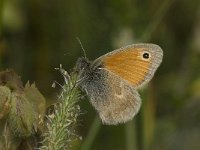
81,47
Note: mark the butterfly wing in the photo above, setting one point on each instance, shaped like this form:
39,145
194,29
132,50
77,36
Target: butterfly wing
135,63
113,78
115,100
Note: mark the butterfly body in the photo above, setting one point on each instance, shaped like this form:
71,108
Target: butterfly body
112,80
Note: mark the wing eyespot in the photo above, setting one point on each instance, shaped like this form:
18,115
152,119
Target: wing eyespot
146,55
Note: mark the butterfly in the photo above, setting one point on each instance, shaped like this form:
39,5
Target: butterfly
112,80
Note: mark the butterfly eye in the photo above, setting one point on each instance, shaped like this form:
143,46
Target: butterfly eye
146,55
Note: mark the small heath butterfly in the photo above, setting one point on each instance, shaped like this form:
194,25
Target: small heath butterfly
112,80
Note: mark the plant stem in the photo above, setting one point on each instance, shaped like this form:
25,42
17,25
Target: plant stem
94,129
1,15
61,124
130,136
160,14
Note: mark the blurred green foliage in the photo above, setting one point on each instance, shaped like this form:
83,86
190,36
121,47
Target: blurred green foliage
36,36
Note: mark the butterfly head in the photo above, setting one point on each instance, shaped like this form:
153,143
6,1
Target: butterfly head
82,64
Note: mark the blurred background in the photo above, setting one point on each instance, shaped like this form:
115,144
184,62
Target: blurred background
36,36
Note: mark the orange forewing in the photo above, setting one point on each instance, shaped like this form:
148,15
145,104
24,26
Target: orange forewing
129,65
